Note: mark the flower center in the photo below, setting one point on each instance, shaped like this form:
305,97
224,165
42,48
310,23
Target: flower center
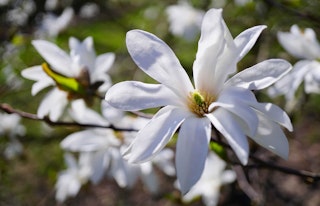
199,102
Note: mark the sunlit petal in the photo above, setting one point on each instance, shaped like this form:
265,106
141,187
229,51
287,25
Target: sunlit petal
247,39
133,95
274,113
271,137
155,135
156,59
261,75
56,57
209,47
226,124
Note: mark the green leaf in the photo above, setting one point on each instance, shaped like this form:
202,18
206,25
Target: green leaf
67,84
218,149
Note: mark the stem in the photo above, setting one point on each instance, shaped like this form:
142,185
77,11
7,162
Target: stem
8,109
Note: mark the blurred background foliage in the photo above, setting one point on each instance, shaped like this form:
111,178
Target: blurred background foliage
29,179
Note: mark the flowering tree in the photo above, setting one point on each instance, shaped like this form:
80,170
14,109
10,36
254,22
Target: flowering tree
199,124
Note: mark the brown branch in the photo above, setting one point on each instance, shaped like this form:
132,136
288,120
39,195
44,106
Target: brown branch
307,175
259,163
8,109
311,177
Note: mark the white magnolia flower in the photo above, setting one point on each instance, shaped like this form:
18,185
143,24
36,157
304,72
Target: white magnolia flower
227,104
10,125
303,45
11,128
104,147
84,74
213,177
52,25
70,180
185,21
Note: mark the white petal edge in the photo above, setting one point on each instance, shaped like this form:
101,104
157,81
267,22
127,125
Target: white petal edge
236,101
56,57
88,140
53,104
246,39
274,113
271,137
261,75
134,95
151,139
156,59
192,151
209,46
226,124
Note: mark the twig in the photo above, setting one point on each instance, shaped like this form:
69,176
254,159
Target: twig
311,177
277,4
245,185
8,109
307,175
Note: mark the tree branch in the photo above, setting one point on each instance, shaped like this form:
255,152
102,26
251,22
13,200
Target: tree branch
308,176
8,109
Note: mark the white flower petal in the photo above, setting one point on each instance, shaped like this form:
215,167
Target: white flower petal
226,124
312,78
124,174
164,163
247,39
291,81
209,47
35,73
56,57
274,113
149,177
300,44
227,99
271,137
99,163
156,59
261,75
155,135
192,151
89,140
83,54
133,95
104,62
82,114
40,85
53,104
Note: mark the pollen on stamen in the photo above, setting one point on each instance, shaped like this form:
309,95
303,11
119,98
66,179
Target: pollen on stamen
199,102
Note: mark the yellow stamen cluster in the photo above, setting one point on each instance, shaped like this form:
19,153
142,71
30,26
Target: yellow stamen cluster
199,102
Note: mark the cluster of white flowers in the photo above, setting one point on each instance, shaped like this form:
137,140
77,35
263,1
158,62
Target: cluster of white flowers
301,44
218,98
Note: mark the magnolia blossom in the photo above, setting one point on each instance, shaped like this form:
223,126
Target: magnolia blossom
11,128
303,45
213,177
81,74
184,20
52,25
214,100
70,180
105,149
